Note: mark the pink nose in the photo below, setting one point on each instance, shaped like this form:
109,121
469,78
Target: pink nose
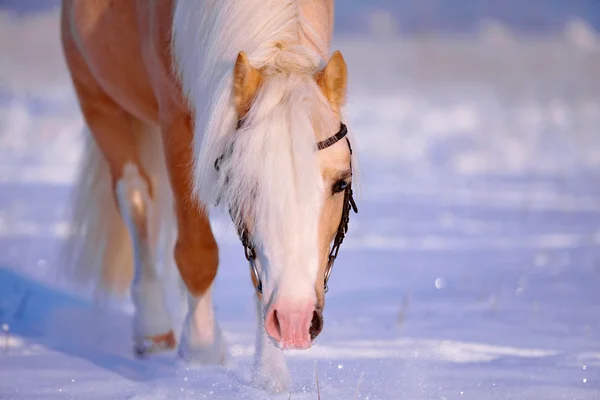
293,327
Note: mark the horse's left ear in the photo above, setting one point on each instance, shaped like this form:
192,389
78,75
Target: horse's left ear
246,81
333,80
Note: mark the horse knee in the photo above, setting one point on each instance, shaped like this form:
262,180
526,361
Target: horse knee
197,264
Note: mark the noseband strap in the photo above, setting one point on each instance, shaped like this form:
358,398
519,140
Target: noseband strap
349,204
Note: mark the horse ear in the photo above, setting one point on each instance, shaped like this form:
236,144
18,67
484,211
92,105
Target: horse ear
246,81
333,80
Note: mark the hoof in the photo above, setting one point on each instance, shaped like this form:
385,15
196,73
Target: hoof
214,353
205,355
154,344
272,380
270,372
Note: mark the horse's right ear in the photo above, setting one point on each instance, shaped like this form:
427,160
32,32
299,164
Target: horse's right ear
246,81
333,80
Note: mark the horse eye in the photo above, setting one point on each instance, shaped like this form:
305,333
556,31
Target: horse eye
339,186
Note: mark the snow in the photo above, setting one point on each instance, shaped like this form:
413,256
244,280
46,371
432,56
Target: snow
471,271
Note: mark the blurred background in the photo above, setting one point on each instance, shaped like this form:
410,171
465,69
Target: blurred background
478,130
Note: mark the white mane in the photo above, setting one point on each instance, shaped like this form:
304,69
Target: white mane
273,165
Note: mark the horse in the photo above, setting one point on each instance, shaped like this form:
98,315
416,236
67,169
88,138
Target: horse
191,105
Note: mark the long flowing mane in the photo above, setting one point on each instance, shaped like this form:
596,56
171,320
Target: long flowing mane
275,147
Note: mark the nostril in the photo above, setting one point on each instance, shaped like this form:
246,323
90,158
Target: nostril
273,325
276,323
316,325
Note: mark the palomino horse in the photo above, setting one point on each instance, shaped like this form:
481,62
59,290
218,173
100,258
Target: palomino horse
190,103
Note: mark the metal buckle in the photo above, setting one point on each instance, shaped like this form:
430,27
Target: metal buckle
328,272
256,275
251,257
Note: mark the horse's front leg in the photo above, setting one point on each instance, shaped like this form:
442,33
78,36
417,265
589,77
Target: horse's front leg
196,252
270,368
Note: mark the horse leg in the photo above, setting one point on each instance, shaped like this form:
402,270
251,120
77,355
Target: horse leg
114,132
196,252
152,323
270,368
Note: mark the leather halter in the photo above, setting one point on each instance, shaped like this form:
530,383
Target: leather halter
349,204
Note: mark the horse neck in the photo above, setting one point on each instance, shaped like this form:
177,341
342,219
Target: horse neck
316,33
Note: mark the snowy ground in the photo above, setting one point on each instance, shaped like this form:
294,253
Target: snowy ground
471,272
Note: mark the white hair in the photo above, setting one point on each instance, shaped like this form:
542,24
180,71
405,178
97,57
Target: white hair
270,161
